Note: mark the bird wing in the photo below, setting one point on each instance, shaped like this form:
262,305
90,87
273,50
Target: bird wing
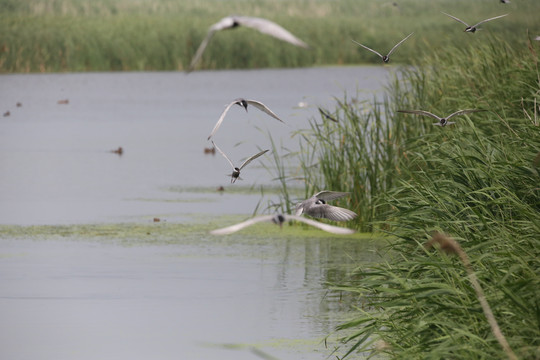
399,43
222,153
249,222
420,112
299,209
241,225
329,212
251,158
270,28
461,112
200,50
493,18
365,47
330,195
224,23
259,105
455,18
322,226
218,124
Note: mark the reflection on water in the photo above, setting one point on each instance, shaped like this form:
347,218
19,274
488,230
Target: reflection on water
86,296
87,300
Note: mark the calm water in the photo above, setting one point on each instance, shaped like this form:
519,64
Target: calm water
73,299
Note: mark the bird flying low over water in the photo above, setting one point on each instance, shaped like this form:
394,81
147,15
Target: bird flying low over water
236,170
326,115
474,27
279,219
385,58
264,26
243,102
442,121
317,207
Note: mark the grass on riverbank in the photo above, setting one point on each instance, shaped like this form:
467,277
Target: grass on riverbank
476,181
103,35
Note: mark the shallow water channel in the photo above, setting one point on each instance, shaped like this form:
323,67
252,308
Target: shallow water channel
108,256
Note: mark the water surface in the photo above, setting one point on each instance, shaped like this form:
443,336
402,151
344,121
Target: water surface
56,163
86,273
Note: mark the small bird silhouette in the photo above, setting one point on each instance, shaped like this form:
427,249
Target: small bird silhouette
264,26
473,28
279,219
442,121
244,103
236,170
316,206
385,58
118,151
327,116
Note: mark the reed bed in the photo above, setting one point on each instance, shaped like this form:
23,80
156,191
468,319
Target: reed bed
476,180
104,35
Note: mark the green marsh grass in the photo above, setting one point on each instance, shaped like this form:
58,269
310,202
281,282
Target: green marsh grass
476,180
105,35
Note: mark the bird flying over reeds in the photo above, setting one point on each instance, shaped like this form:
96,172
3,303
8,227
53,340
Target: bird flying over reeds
316,206
442,121
230,22
326,115
386,57
473,28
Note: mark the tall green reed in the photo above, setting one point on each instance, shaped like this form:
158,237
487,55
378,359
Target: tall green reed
77,35
476,181
358,153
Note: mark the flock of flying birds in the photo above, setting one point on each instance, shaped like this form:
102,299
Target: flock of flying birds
316,206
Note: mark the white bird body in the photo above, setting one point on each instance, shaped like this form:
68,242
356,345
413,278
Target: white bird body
236,170
474,27
243,102
279,219
316,206
385,58
442,121
264,26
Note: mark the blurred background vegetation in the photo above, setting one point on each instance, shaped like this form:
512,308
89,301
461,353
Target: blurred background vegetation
477,181
132,35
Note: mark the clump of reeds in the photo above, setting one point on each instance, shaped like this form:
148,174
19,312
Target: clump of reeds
451,246
477,179
74,35
359,153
